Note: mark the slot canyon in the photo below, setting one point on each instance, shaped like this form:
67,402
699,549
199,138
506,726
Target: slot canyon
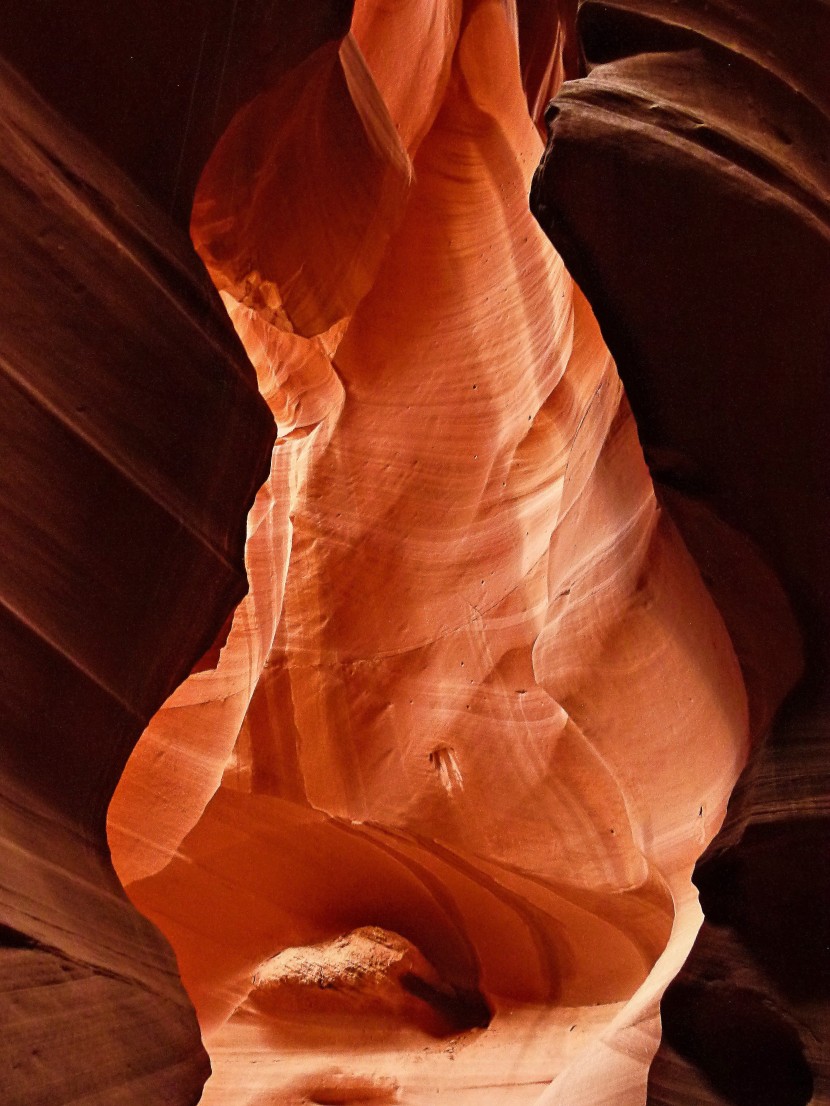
414,589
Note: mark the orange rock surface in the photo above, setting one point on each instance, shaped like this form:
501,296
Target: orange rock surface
478,702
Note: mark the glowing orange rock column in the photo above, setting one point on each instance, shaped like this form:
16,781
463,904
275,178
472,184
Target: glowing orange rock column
478,696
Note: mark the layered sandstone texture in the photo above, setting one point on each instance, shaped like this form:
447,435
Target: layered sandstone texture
687,184
424,821
121,552
424,817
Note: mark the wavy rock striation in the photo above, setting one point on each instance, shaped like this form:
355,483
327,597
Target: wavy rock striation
130,455
686,183
153,86
478,704
423,817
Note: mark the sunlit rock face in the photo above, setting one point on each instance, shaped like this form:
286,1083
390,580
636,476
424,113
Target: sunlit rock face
450,770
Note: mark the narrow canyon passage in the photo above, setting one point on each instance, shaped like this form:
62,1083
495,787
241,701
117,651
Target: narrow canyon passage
426,822
428,813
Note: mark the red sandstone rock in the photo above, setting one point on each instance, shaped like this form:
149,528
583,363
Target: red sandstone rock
478,695
686,183
481,839
132,441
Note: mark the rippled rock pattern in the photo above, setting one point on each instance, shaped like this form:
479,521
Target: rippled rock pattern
121,551
430,814
687,184
478,698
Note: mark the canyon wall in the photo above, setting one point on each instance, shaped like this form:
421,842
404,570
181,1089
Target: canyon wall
133,440
425,814
687,185
478,711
